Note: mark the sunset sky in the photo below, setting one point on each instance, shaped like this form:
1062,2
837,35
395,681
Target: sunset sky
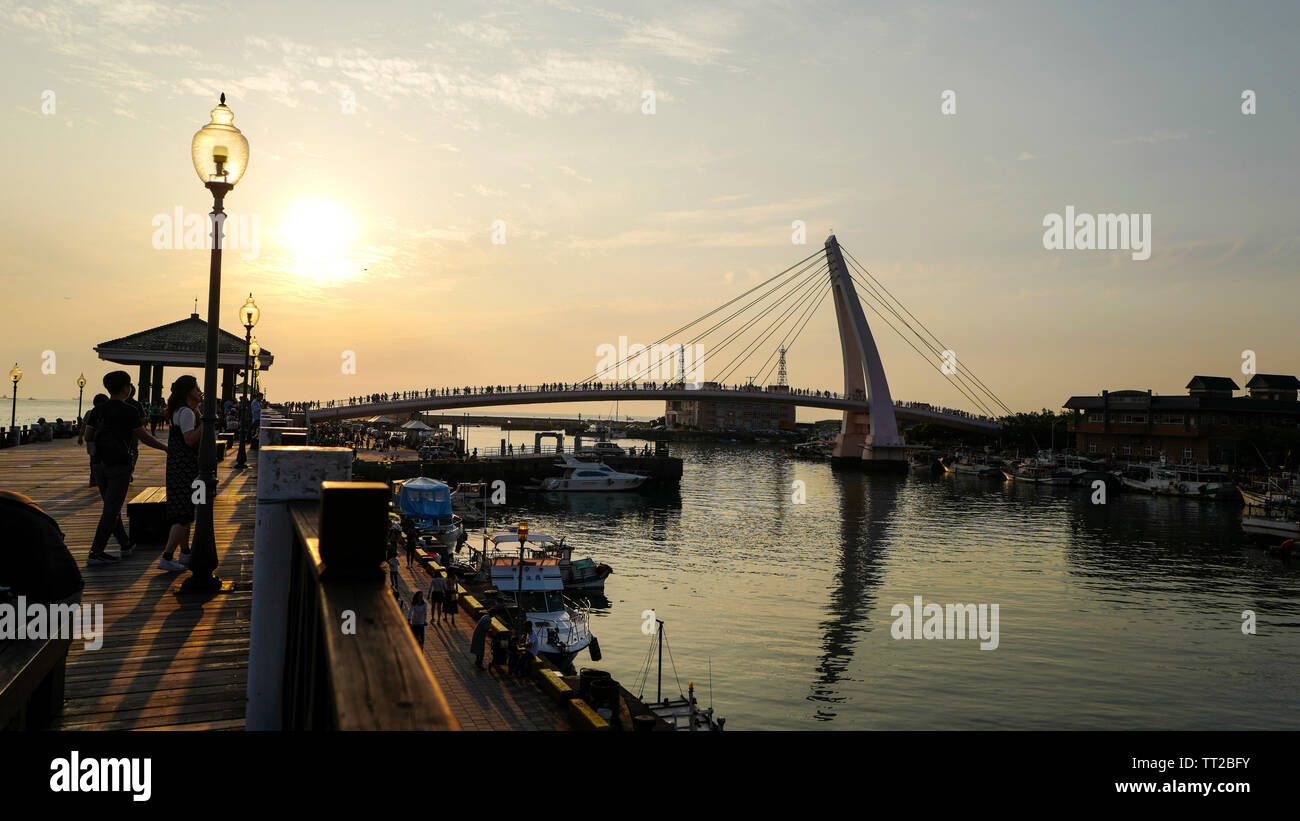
376,225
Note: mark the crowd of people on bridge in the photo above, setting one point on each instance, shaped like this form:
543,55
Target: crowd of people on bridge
612,387
562,387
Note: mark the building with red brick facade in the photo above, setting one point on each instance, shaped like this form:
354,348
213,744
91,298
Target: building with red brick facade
729,415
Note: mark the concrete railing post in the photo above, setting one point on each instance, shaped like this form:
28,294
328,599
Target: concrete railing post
284,475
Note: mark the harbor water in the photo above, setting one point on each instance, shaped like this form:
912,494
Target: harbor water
1123,615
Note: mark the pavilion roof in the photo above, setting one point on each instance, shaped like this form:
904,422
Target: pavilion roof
183,342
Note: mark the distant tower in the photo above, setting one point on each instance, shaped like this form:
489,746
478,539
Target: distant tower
781,381
681,362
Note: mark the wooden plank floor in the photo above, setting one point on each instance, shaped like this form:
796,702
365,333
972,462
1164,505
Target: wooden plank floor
168,661
480,699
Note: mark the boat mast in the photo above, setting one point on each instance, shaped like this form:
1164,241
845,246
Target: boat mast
659,686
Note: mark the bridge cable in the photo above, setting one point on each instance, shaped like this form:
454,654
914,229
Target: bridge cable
927,359
790,344
816,285
803,278
970,391
671,334
810,279
942,347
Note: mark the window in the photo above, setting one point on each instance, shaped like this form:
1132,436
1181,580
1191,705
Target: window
1092,447
1187,454
1146,452
1128,450
1094,417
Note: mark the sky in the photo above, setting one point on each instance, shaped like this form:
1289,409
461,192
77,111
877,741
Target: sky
390,143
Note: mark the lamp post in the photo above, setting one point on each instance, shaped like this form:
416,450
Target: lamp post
220,155
248,316
81,390
257,370
15,375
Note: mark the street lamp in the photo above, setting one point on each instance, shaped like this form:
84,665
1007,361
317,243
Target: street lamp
248,316
81,389
257,372
15,374
220,155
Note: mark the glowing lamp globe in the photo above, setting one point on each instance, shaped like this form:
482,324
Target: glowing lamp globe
249,313
219,150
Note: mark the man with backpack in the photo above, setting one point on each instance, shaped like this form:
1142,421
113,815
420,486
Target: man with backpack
119,424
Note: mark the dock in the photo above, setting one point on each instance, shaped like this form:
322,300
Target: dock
173,661
169,661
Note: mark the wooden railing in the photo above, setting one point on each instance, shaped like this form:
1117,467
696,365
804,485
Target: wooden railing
350,660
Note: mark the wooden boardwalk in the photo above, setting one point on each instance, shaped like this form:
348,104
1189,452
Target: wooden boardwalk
480,699
168,661
180,662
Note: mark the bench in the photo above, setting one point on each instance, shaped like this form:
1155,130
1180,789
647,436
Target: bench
147,514
31,682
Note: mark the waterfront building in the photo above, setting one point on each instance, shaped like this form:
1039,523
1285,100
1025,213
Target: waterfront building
1210,425
729,415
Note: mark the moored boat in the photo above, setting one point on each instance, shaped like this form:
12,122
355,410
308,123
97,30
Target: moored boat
589,476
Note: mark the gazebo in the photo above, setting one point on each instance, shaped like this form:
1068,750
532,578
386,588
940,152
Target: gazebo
181,344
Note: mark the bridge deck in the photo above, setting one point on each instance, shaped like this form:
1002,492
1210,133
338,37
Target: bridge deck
608,393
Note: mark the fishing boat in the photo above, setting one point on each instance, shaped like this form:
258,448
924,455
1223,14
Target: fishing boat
535,586
1031,472
588,476
682,713
428,502
1164,479
1271,522
965,465
815,449
584,574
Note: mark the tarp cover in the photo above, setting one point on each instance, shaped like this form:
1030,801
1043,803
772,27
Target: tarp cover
426,500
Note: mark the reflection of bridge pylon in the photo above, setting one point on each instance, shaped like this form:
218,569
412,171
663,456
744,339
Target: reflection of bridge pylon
872,438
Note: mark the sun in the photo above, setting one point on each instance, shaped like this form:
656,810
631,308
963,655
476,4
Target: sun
319,235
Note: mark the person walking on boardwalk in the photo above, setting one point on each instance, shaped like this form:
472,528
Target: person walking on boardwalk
412,539
91,419
478,641
394,572
449,603
183,435
438,593
119,424
419,616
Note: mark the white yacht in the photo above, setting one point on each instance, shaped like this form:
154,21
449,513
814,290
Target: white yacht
590,476
538,589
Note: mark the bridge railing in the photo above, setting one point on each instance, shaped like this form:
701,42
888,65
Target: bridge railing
554,387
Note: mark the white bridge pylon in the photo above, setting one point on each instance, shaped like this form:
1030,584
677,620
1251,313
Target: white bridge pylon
872,437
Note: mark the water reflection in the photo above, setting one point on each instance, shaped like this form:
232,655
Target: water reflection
867,504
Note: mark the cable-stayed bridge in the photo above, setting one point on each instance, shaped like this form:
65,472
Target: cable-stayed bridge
770,317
